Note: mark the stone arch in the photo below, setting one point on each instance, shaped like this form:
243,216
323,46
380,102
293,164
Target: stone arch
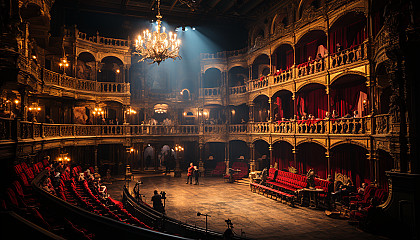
305,4
311,155
282,105
260,62
350,159
349,142
283,57
345,13
261,154
308,44
362,74
237,76
86,65
238,148
282,154
111,70
212,78
257,32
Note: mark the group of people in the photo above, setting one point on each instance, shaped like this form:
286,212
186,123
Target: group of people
193,172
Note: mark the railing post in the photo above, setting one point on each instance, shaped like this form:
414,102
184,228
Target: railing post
42,131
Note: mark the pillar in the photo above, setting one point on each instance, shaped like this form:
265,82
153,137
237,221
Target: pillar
270,148
201,155
252,157
251,112
327,156
24,104
294,152
227,157
270,113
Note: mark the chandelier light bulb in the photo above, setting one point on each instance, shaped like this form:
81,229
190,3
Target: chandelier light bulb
157,46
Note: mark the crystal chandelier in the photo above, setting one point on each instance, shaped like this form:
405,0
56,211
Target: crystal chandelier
158,46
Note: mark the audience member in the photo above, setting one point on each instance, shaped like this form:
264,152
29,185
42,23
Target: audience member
81,177
157,202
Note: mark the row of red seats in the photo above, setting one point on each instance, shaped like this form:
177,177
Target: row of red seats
288,181
22,201
243,171
80,194
219,170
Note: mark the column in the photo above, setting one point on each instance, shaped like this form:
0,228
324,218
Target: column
201,157
270,148
252,157
95,155
327,156
251,112
24,104
372,165
294,152
227,157
270,112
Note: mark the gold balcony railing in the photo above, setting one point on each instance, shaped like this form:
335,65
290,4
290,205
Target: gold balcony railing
377,125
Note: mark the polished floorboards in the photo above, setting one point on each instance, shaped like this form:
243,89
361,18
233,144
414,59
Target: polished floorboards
253,215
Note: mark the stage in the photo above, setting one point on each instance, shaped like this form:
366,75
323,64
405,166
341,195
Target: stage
257,216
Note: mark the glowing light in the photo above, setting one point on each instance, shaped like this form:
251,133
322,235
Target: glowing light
158,46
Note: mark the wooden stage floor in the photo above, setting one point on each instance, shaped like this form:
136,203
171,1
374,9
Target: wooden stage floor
257,216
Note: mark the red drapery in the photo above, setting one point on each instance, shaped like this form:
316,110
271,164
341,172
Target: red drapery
289,58
346,100
312,156
280,112
351,161
348,36
282,155
313,102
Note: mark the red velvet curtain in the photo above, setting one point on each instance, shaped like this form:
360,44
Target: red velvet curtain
280,112
347,36
282,155
289,58
311,155
351,161
313,102
344,100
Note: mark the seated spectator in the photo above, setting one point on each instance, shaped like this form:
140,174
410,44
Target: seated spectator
334,115
48,119
310,179
344,191
327,115
81,177
356,114
89,176
48,187
361,189
347,115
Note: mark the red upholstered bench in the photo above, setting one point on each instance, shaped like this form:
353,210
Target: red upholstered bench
272,192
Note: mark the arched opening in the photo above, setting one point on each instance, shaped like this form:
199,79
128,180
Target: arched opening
260,66
283,57
312,156
85,68
261,155
149,157
311,46
385,163
308,5
350,160
214,154
258,35
239,114
348,31
238,151
283,155
214,114
161,114
261,109
167,158
384,90
282,105
312,102
349,96
212,78
237,76
111,70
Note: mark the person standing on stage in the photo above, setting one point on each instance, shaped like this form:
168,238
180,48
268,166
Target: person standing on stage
196,174
190,173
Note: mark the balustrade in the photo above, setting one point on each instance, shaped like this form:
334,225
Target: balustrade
258,83
348,126
353,126
260,127
210,92
311,67
311,126
283,76
283,127
238,128
348,56
237,90
214,128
